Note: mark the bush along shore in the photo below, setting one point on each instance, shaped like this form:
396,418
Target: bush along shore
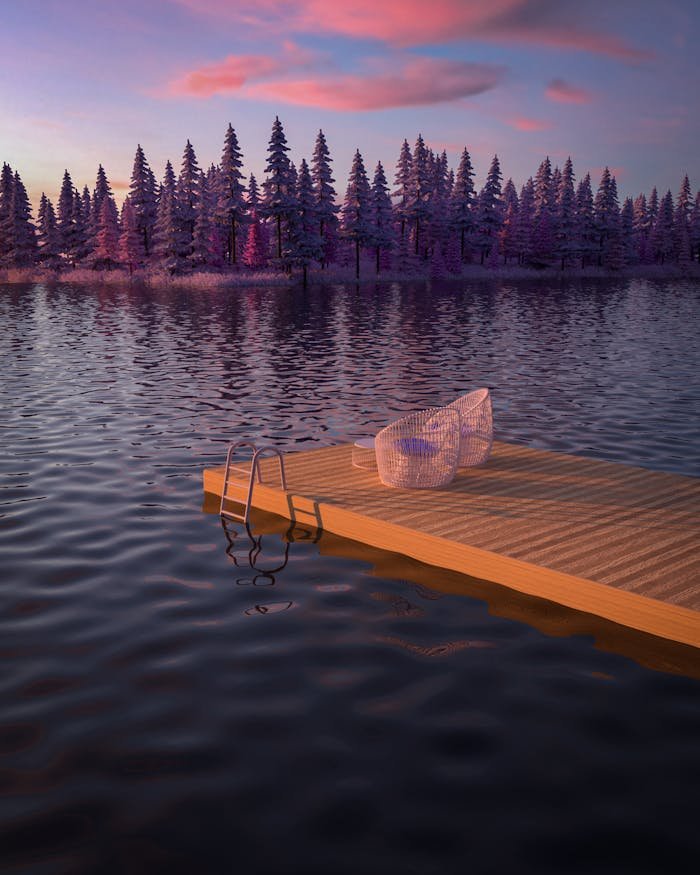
217,226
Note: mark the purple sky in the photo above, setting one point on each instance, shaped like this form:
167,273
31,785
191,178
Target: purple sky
613,83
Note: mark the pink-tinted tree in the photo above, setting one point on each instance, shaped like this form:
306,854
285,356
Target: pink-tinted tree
462,202
356,215
20,247
231,206
143,199
382,218
586,220
567,236
131,251
402,181
325,195
47,236
106,252
543,218
420,190
278,202
305,244
490,210
187,194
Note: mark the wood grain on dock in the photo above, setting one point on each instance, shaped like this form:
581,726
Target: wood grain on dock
612,540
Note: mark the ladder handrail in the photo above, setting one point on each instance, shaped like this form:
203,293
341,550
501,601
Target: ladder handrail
254,470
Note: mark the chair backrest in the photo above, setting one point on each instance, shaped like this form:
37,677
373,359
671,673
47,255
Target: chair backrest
476,426
419,450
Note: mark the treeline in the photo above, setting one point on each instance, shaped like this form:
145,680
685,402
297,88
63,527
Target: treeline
434,217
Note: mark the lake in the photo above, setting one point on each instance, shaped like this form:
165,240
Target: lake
168,708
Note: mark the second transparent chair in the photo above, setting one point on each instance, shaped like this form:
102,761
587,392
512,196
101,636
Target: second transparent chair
421,450
476,427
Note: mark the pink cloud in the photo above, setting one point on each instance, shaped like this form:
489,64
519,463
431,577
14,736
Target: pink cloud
410,22
229,76
418,82
564,92
522,123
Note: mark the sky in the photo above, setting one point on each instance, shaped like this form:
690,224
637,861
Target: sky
609,82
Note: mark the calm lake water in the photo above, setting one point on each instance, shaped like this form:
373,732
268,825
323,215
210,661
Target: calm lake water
164,709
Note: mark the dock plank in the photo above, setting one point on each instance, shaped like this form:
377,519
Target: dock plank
613,540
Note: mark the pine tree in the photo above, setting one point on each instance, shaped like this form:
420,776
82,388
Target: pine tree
681,218
694,231
640,228
82,245
255,250
131,250
187,194
106,253
526,217
586,220
662,242
356,216
231,206
66,229
168,248
101,191
382,218
508,235
440,203
143,199
567,231
47,234
306,243
325,195
462,202
629,249
490,210
20,242
7,181
543,218
606,213
278,188
420,189
402,181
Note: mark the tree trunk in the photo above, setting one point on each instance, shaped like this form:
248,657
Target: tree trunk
417,233
461,250
357,259
377,259
279,237
232,238
305,277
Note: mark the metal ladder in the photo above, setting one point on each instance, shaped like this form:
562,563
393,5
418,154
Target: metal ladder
254,470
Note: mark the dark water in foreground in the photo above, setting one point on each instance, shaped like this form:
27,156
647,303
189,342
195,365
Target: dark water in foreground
163,710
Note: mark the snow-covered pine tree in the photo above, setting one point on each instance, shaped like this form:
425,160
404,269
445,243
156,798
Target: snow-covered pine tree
143,199
306,243
187,193
402,181
325,195
462,202
47,234
356,215
567,238
586,220
382,216
278,191
490,209
231,209
106,252
420,189
66,230
131,250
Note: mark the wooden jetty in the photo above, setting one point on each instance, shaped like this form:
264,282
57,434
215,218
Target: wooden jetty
612,541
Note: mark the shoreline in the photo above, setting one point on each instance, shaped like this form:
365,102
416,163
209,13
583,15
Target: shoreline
247,279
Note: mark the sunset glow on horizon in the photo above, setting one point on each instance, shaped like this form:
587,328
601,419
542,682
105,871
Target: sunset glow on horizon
609,84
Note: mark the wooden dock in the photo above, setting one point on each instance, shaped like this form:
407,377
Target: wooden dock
613,541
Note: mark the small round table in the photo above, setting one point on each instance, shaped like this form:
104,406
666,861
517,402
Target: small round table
363,455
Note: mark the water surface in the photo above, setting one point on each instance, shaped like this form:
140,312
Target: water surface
165,709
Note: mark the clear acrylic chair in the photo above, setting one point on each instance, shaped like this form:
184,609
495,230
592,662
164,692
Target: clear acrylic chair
419,451
476,427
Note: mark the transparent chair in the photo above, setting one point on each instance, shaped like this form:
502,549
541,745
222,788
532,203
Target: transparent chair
419,451
476,427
